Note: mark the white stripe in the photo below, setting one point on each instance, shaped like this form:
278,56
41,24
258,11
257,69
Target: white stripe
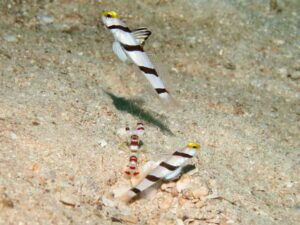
134,147
179,160
174,175
125,37
160,172
119,51
154,80
140,58
144,184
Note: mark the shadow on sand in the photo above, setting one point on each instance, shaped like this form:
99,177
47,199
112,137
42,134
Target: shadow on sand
132,107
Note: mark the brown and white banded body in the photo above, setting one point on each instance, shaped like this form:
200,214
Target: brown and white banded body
168,168
134,143
132,168
140,128
128,46
134,146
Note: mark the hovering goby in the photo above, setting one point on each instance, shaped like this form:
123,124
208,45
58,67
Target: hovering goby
128,45
167,169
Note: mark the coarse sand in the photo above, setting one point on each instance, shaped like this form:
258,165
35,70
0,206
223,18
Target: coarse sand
233,68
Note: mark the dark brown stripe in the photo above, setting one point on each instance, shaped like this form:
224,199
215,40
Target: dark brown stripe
126,29
152,178
133,158
168,166
183,154
132,48
134,136
161,90
148,70
135,190
142,28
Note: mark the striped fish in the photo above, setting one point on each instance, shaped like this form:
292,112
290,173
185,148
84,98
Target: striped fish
167,168
128,46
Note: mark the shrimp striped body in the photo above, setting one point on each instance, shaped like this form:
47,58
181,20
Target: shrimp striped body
134,143
137,133
140,128
132,168
134,146
127,45
164,169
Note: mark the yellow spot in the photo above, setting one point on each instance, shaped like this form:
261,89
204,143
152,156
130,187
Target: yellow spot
193,145
111,14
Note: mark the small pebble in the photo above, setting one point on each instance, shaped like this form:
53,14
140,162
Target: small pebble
67,28
179,222
107,202
68,199
44,19
13,136
289,184
230,66
188,194
168,186
191,40
102,143
279,42
35,167
10,38
191,212
295,75
119,191
166,202
199,192
124,210
199,204
5,202
183,183
283,72
129,219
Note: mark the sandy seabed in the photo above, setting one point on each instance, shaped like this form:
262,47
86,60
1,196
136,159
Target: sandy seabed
233,68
